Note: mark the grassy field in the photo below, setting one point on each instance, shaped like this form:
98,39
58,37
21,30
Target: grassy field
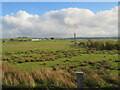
52,56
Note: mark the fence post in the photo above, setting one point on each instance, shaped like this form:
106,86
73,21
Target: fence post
79,79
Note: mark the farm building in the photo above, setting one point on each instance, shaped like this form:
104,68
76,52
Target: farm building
37,39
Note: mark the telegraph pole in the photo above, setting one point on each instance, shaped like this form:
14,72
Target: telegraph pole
75,38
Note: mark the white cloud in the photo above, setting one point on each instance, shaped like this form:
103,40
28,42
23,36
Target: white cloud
61,23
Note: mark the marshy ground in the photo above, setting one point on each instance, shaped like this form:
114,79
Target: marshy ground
53,63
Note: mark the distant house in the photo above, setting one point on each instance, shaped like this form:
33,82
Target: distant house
37,39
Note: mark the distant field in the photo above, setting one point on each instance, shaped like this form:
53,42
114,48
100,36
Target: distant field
60,55
42,45
32,45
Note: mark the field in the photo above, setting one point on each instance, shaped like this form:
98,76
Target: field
53,63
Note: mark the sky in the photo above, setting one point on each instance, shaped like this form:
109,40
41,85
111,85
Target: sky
42,7
60,0
59,19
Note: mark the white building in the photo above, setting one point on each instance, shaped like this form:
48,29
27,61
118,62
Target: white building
37,39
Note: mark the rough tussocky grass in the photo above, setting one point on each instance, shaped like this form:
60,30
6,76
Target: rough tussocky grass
68,63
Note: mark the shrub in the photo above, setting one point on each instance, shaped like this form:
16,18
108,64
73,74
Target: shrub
101,78
108,45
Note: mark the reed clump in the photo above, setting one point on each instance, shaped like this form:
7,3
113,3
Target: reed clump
41,78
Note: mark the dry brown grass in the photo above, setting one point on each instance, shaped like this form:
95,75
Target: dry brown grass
48,78
100,78
13,77
42,78
51,77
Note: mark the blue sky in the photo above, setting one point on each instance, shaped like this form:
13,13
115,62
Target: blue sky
40,8
62,23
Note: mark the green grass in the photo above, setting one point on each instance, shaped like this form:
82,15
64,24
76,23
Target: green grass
41,45
52,45
76,60
69,63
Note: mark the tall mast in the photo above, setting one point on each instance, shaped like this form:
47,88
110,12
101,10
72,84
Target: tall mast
75,38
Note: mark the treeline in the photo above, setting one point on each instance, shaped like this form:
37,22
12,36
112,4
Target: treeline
105,45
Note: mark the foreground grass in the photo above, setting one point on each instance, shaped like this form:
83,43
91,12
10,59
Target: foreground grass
49,78
41,78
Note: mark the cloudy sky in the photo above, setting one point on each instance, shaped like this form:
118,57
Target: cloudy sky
59,20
